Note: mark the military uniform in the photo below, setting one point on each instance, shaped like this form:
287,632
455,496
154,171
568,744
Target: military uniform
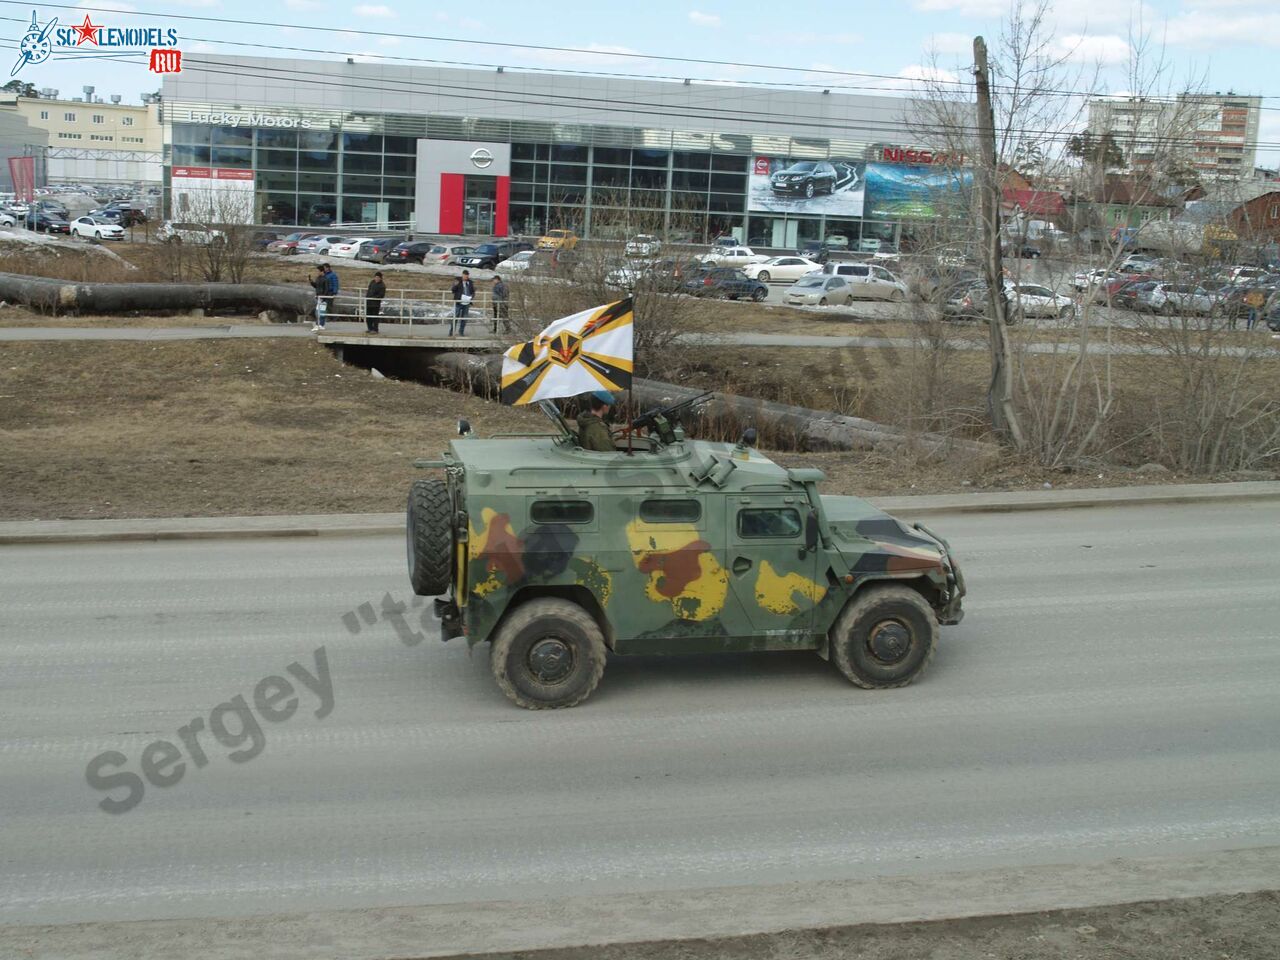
593,434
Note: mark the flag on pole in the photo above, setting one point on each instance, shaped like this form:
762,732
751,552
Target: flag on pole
591,350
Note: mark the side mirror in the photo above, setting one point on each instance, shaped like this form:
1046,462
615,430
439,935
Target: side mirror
811,531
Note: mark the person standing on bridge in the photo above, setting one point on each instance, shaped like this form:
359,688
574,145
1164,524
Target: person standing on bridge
501,298
326,285
373,302
464,291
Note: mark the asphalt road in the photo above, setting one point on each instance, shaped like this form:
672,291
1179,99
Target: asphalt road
1112,692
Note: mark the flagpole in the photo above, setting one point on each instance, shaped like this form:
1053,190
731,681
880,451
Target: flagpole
630,410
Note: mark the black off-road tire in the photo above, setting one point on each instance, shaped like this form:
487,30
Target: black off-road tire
547,619
758,295
429,537
893,606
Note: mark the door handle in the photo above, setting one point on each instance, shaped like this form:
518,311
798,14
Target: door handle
741,565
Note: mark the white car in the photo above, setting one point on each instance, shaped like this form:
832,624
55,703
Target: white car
96,227
171,232
820,290
1094,278
781,268
516,263
6,220
643,245
868,281
348,249
732,257
1034,300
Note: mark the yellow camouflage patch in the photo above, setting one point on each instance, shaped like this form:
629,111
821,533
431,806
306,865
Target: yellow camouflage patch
682,569
776,592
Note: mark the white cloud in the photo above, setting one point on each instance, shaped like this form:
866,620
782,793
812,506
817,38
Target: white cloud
1202,29
1107,50
373,10
704,19
950,43
301,5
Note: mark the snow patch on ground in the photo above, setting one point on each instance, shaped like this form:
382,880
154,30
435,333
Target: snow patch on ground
28,241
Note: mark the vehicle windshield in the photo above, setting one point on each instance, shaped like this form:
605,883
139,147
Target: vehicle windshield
803,166
810,282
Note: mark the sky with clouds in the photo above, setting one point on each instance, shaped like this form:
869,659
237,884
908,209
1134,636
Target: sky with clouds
1212,44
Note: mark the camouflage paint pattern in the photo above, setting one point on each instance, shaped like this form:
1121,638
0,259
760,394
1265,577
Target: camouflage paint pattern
692,584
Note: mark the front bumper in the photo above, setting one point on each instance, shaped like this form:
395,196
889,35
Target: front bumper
950,612
781,187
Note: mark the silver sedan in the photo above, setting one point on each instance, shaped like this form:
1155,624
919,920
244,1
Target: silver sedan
819,290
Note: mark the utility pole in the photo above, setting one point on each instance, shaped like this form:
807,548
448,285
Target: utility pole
1004,418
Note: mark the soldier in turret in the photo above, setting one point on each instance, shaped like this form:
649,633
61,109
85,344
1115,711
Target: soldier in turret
593,432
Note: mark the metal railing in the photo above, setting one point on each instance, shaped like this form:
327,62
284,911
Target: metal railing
411,307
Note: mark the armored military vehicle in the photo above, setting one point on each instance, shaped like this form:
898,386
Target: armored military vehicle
556,555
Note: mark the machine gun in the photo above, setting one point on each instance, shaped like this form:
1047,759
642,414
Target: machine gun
660,419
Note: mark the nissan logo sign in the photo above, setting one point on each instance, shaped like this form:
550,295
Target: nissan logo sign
481,157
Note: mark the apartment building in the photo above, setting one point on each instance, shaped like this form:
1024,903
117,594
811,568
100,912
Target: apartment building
1214,134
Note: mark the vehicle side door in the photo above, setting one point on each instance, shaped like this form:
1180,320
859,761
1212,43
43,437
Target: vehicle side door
770,571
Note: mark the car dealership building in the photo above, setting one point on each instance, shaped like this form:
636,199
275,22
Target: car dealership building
498,152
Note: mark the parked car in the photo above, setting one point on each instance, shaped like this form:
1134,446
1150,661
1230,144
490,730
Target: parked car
288,245
1138,263
838,241
319,244
558,240
96,227
178,232
781,269
8,219
516,263
348,248
1126,296
667,271
821,290
376,250
732,257
814,250
1082,281
643,245
415,251
805,178
870,245
1027,251
124,213
1244,274
441,254
868,281
48,222
1172,299
725,282
486,256
262,239
1114,285
1025,300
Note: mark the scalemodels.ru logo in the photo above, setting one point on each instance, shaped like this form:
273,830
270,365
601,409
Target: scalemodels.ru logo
41,43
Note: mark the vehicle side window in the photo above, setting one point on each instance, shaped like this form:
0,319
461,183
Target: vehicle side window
769,522
670,511
561,511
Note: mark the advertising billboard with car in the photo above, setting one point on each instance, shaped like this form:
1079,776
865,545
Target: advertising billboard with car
902,191
783,185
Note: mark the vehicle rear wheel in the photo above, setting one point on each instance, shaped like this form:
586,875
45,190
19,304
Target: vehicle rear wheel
884,638
1066,313
808,190
763,276
822,302
548,654
429,537
759,294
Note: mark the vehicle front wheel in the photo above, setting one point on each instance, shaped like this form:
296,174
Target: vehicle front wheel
1066,313
822,302
897,296
884,638
429,537
808,190
763,276
97,234
548,654
759,294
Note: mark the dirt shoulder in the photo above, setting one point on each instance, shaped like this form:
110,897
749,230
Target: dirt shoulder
253,427
214,428
1236,927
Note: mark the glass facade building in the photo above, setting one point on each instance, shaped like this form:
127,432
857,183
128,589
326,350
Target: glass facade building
331,143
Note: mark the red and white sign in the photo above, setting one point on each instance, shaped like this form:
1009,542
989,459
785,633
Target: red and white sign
212,173
914,155
23,172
